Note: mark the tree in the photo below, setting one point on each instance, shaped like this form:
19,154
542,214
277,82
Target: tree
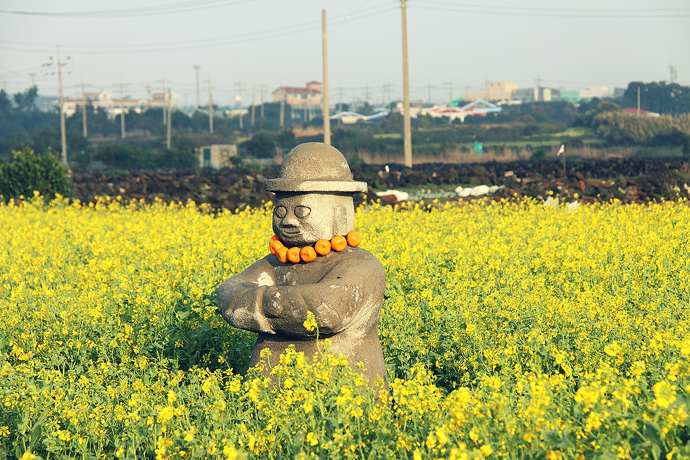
30,172
26,101
5,104
658,97
261,145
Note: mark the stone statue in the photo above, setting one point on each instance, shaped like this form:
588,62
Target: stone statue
312,268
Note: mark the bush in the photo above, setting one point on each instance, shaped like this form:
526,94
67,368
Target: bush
538,155
261,145
30,172
135,157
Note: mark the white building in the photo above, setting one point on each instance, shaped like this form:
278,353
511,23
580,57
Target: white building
104,100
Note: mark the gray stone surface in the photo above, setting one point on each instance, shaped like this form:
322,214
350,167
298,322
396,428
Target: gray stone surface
344,290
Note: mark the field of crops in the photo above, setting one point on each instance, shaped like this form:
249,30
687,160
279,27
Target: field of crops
510,330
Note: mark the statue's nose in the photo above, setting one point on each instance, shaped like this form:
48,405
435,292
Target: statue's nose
290,220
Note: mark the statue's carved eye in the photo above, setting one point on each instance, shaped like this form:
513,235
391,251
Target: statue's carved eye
302,211
280,211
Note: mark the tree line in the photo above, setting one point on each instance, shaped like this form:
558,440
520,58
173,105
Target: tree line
22,125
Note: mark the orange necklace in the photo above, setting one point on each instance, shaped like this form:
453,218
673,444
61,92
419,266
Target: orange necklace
308,253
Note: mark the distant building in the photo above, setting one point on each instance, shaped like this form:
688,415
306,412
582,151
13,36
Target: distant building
500,90
524,95
478,107
598,91
104,100
216,155
495,91
416,106
570,95
310,95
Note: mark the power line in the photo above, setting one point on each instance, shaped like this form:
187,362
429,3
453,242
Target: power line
190,44
182,7
553,12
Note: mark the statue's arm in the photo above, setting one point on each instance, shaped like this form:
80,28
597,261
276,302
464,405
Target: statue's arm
340,296
240,297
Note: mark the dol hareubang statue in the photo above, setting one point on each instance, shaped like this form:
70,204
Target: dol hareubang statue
312,268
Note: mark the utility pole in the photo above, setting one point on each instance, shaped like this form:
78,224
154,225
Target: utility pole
238,100
282,110
210,108
253,104
169,141
196,67
326,107
407,123
262,99
122,110
638,101
83,109
306,106
164,112
33,79
63,135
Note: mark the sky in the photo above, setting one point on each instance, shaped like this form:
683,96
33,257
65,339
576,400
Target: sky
242,46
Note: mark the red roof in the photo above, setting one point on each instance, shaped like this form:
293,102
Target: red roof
297,90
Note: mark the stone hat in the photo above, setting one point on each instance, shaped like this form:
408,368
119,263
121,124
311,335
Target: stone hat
315,167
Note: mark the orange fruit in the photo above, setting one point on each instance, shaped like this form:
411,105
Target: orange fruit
307,254
322,247
338,243
281,254
353,239
293,255
275,245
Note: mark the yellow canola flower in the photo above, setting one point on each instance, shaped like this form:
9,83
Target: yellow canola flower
505,327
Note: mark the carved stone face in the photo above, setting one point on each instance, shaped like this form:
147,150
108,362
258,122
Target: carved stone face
300,219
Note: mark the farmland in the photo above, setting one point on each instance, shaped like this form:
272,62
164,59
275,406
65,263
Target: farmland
510,330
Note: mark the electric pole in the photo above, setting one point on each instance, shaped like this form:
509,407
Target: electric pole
238,100
63,135
163,83
169,140
407,123
282,110
33,79
196,67
326,108
210,108
262,100
253,103
83,109
122,110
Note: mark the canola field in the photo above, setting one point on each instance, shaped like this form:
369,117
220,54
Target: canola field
510,330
